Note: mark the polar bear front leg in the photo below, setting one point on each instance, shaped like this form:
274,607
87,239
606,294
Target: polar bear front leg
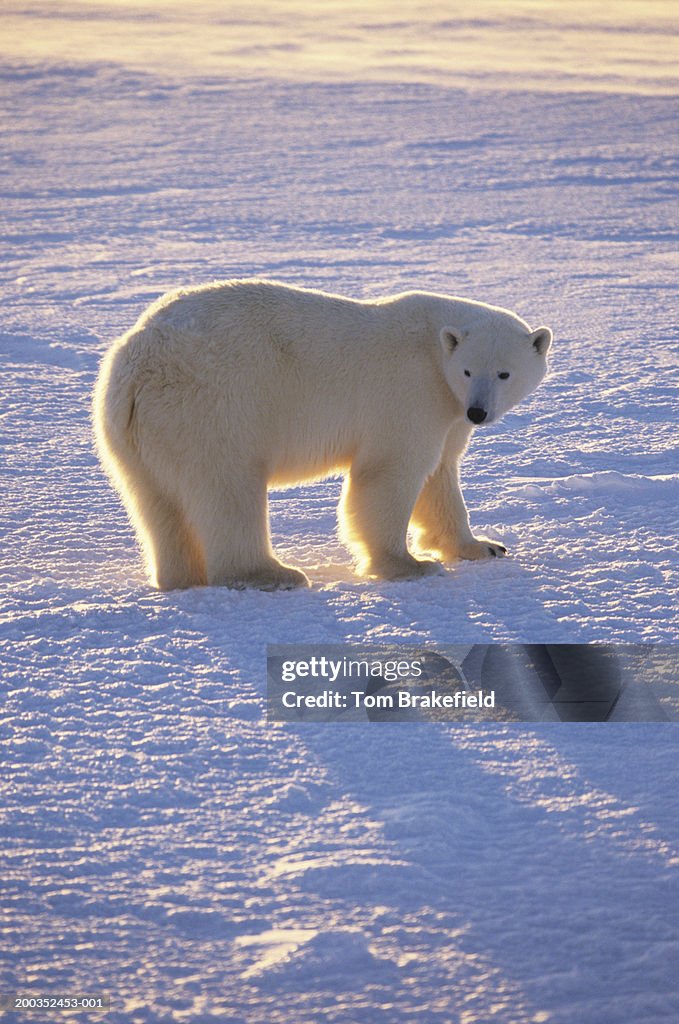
377,501
440,519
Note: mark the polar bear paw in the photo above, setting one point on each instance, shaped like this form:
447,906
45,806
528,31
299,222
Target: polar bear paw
481,547
274,576
404,567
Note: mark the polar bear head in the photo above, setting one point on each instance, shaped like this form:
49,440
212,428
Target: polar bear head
492,361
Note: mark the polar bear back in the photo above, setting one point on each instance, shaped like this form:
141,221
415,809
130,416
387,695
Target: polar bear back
298,379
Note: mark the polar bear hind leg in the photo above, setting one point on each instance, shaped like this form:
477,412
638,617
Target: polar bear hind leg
231,522
173,555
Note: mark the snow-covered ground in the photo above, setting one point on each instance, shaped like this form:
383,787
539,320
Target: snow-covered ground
160,841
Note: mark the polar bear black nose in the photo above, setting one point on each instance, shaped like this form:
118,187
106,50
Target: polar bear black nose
475,414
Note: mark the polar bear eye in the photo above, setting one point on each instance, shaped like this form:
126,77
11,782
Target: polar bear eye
503,376
467,373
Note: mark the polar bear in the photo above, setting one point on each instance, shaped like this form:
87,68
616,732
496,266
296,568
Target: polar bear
222,391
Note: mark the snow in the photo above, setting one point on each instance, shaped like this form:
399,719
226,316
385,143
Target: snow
160,840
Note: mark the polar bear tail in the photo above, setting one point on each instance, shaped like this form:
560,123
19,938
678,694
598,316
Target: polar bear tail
173,557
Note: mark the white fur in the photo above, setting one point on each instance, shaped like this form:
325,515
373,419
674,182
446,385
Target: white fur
222,391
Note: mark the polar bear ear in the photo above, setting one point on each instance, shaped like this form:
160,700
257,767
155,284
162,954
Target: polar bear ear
449,340
541,340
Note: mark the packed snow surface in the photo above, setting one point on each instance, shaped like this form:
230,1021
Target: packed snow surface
160,841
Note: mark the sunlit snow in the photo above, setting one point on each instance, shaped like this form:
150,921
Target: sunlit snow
161,842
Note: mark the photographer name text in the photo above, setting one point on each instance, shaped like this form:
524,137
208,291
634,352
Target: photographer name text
388,701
